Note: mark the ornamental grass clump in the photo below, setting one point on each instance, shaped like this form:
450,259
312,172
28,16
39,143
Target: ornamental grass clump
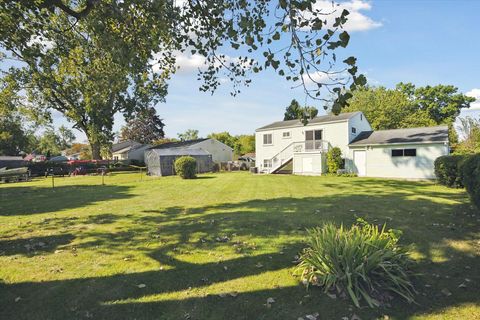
363,262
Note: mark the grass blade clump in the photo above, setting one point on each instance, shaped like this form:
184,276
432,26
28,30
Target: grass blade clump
363,262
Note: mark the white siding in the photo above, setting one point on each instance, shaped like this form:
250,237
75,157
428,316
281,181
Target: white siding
308,163
220,152
360,123
380,162
336,133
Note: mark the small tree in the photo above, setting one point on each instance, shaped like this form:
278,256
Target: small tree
190,134
334,160
186,167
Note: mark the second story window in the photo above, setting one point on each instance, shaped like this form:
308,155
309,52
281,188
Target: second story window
354,130
286,134
313,139
267,138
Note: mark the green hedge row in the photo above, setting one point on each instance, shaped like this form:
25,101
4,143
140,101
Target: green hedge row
471,178
460,171
448,170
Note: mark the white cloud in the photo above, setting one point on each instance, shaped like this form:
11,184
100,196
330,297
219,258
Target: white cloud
475,93
357,21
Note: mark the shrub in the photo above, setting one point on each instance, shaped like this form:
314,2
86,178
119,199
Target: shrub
471,178
363,262
186,167
448,170
334,160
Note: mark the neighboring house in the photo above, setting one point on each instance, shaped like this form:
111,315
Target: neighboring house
402,153
220,152
129,150
159,159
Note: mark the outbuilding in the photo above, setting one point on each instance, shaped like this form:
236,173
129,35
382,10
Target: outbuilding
160,161
399,153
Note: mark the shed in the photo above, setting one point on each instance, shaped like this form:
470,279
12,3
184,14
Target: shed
160,162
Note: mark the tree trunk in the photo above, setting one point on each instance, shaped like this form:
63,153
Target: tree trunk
95,146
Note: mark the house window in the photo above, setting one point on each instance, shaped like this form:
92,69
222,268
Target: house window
286,134
267,163
361,117
354,130
410,152
404,152
313,139
267,138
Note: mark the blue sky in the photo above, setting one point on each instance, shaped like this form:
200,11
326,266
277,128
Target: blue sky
423,42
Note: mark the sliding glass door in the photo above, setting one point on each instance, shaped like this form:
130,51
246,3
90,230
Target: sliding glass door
313,139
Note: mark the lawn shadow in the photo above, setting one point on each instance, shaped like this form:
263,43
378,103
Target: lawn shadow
33,246
179,290
34,200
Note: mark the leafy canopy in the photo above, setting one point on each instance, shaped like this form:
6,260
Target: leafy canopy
145,126
93,59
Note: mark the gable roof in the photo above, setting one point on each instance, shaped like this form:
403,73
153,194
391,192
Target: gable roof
316,120
436,134
124,145
178,144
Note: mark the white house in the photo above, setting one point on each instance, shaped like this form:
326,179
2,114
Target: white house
129,150
401,153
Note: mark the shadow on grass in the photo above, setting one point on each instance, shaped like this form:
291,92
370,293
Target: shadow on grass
35,245
33,200
183,285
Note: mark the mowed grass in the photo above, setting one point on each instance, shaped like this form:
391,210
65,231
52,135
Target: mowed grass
219,246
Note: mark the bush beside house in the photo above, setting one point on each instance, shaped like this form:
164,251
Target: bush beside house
334,160
186,167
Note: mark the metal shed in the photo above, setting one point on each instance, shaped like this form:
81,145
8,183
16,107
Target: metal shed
160,162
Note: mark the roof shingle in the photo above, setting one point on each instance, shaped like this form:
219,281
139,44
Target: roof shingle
436,134
316,120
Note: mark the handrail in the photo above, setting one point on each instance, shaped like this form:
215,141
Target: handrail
286,153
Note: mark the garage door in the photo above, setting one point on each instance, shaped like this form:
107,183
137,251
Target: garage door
360,161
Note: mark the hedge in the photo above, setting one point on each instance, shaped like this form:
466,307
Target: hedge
334,160
471,178
186,167
448,170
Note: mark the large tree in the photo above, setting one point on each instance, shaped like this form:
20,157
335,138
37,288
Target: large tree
145,126
387,109
15,134
442,103
92,59
407,106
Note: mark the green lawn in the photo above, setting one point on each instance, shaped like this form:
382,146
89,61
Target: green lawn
219,246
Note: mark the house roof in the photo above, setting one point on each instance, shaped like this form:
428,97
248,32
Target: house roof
124,145
436,134
316,120
181,152
178,144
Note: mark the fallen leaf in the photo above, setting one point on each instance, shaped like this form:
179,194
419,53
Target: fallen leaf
446,292
259,265
269,302
222,295
17,299
142,285
462,285
233,294
312,316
